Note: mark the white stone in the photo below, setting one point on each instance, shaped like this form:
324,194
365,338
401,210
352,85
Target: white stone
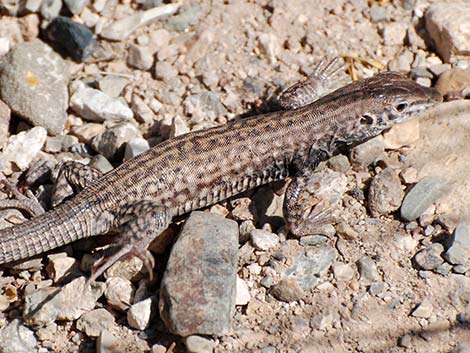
94,105
22,148
139,314
243,294
119,292
263,240
121,29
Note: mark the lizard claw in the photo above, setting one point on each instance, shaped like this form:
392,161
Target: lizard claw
126,251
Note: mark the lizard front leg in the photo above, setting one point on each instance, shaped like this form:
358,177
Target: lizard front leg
137,225
303,212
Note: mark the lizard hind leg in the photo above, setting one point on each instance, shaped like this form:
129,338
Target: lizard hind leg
137,225
323,80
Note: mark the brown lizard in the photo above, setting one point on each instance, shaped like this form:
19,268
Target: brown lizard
140,197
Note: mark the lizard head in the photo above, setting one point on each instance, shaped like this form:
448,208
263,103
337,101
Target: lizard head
387,99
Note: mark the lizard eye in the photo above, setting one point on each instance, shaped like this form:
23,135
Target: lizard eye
366,120
401,106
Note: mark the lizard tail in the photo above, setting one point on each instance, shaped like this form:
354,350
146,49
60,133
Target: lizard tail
43,233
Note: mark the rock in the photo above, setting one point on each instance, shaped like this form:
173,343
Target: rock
379,13
242,294
423,310
107,343
310,240
73,38
140,57
16,338
385,193
310,265
45,305
270,46
430,257
327,187
205,259
94,322
453,83
343,271
59,267
187,16
21,149
51,8
421,196
165,71
339,163
458,252
205,105
368,269
394,33
109,142
131,268
287,290
121,29
5,114
446,24
119,292
139,314
405,341
143,113
198,344
263,240
135,147
34,85
409,175
76,6
367,152
112,85
445,268
402,62
178,126
4,303
92,104
101,163
403,134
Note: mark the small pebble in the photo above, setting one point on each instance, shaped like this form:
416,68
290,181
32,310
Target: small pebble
139,314
243,294
430,257
368,269
422,196
198,344
263,240
423,310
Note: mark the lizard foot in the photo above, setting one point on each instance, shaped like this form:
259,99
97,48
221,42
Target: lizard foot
137,225
27,203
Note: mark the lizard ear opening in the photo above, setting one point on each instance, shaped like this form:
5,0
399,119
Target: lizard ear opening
366,120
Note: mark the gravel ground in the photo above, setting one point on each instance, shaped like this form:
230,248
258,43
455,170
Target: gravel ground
391,274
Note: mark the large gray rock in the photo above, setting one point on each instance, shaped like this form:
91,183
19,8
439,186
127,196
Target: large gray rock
16,338
421,196
197,295
447,25
34,85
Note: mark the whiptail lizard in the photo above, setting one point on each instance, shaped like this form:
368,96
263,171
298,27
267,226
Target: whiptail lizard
140,197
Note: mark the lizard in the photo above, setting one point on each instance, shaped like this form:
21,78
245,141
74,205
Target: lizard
139,198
